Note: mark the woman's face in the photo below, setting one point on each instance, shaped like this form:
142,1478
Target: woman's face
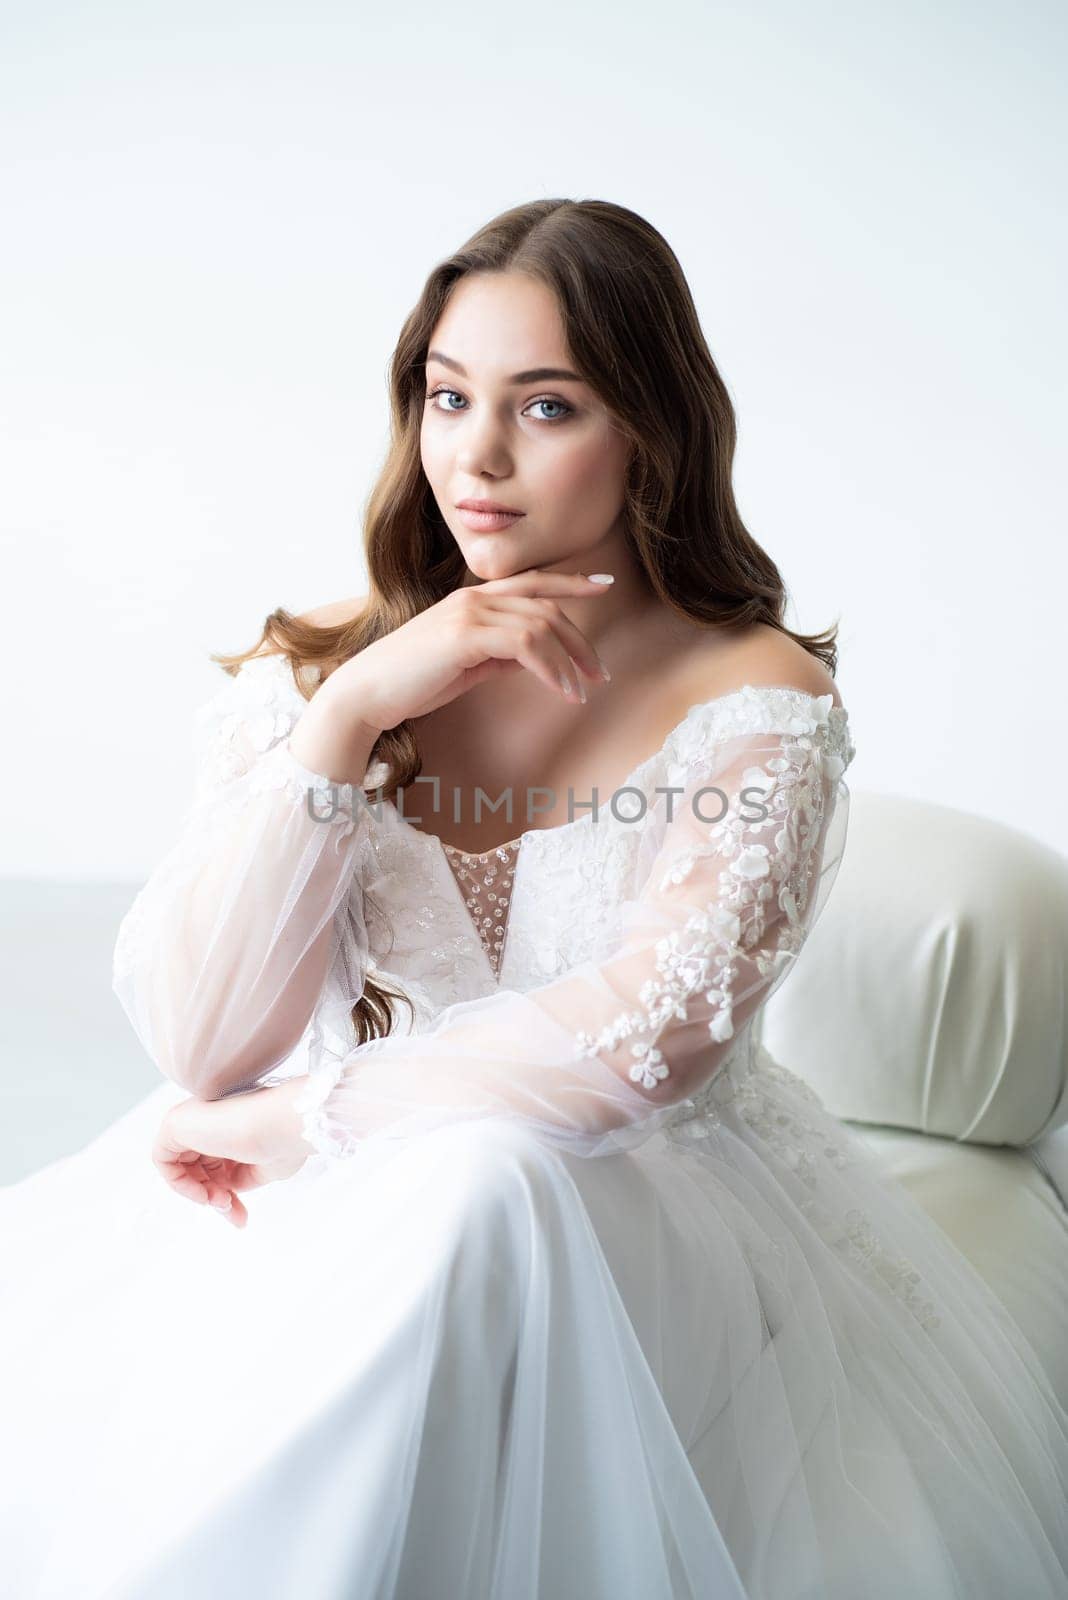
493,429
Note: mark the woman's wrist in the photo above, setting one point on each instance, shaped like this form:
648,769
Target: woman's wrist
329,740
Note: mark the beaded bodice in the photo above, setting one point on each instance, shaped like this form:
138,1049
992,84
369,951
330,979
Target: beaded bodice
485,880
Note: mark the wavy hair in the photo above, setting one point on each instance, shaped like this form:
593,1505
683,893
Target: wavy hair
633,334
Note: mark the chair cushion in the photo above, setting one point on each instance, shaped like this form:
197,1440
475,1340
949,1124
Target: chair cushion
932,994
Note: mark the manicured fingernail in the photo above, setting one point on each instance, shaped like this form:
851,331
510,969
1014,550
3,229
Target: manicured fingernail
601,577
605,674
224,1204
565,684
582,691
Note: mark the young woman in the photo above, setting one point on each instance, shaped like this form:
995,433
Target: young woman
533,1274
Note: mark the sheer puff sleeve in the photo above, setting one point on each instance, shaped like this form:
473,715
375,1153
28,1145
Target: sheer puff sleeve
736,860
249,935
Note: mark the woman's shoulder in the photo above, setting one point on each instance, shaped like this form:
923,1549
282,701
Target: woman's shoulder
336,613
761,656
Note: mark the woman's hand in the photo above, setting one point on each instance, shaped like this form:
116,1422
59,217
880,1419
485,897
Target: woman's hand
475,632
209,1150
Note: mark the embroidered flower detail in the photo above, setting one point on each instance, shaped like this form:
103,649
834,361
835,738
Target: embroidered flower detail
753,862
650,1067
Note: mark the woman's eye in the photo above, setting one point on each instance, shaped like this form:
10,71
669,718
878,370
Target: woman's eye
436,392
566,409
561,405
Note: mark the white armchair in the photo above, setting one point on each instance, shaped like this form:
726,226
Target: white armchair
929,1009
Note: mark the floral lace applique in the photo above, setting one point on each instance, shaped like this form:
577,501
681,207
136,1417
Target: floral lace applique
700,956
567,885
245,730
861,1241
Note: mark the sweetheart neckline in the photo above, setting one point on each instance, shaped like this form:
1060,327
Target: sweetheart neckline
445,849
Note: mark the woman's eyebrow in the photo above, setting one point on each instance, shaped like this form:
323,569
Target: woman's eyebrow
535,375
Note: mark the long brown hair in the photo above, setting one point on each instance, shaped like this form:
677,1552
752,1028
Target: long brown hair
633,334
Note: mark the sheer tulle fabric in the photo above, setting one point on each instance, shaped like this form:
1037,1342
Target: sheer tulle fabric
251,926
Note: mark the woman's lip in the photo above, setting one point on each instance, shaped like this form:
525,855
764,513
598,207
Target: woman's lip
487,521
487,505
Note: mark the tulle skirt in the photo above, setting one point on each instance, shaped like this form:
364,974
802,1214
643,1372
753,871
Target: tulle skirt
737,1360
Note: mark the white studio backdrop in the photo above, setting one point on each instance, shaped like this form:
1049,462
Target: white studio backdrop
218,216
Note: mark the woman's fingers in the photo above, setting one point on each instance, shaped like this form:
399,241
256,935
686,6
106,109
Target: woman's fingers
534,643
572,640
536,581
202,1179
212,1193
185,1184
520,619
208,1181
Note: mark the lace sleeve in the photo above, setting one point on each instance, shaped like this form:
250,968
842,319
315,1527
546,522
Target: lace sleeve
252,923
737,862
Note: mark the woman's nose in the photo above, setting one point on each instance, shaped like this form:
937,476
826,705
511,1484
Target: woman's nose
482,446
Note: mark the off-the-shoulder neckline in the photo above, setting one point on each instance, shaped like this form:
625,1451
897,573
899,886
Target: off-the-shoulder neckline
838,713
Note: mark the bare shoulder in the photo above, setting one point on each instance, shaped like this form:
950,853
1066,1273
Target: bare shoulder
761,656
335,613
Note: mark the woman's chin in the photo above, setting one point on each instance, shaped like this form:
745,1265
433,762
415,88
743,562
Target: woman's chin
486,561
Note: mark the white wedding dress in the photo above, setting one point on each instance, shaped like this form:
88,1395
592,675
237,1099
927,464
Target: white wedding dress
583,1297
